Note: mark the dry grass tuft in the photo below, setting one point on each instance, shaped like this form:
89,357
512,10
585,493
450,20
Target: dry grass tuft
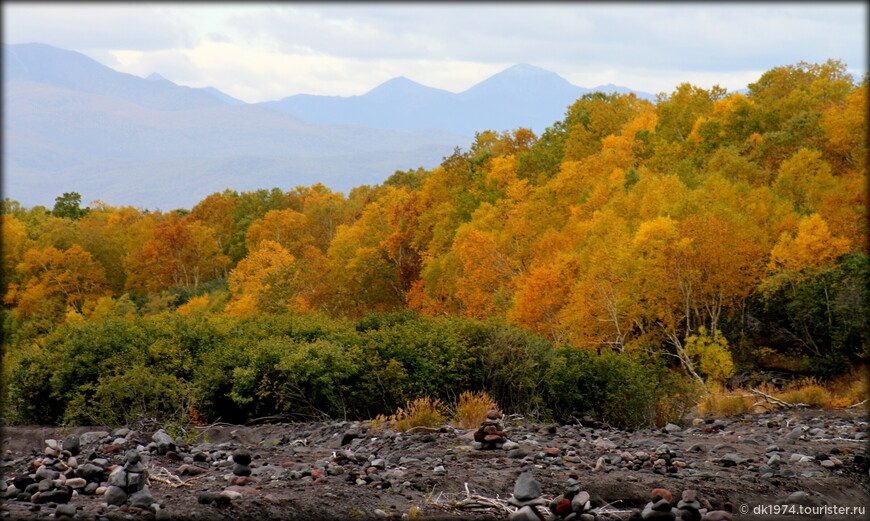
422,412
810,392
722,403
472,408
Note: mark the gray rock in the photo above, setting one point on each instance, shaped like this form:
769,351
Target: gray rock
795,433
731,460
526,487
672,428
132,457
44,472
524,514
115,496
77,483
604,443
65,510
136,480
230,495
207,498
164,442
142,498
92,437
118,478
241,470
91,472
580,502
242,457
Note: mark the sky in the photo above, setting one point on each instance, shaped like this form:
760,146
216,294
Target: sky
267,51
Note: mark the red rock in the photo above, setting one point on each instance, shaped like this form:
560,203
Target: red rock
663,493
240,481
493,414
479,435
111,449
492,437
563,506
552,451
317,474
490,429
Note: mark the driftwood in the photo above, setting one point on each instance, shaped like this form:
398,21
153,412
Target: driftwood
859,404
163,475
777,401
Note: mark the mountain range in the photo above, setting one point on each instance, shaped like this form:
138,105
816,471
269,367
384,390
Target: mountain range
73,124
522,95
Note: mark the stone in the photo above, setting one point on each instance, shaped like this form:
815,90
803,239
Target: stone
92,437
672,428
190,470
115,496
230,495
526,487
142,498
662,493
240,469
242,457
580,502
118,478
731,460
349,436
604,443
132,457
717,515
46,473
72,443
65,510
91,472
207,498
510,445
524,514
164,442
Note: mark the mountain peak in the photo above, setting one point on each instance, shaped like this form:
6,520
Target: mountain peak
156,77
524,69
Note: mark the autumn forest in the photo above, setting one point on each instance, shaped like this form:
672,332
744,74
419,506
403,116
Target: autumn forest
630,259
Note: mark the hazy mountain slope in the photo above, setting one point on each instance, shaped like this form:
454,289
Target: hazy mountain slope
49,65
521,95
71,124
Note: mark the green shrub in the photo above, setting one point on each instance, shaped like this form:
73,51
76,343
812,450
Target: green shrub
622,389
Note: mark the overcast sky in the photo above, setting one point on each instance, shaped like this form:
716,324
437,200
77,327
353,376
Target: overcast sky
260,52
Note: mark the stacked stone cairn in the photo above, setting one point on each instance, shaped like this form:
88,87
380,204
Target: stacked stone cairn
689,508
526,496
491,434
573,503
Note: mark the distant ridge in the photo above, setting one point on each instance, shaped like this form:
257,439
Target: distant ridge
521,95
72,124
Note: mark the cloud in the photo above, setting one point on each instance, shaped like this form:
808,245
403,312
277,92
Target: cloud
95,27
261,52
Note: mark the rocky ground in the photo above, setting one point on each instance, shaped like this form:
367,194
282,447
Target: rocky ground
347,471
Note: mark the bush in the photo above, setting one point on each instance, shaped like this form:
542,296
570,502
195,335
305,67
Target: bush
472,408
422,412
135,397
625,390
808,391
